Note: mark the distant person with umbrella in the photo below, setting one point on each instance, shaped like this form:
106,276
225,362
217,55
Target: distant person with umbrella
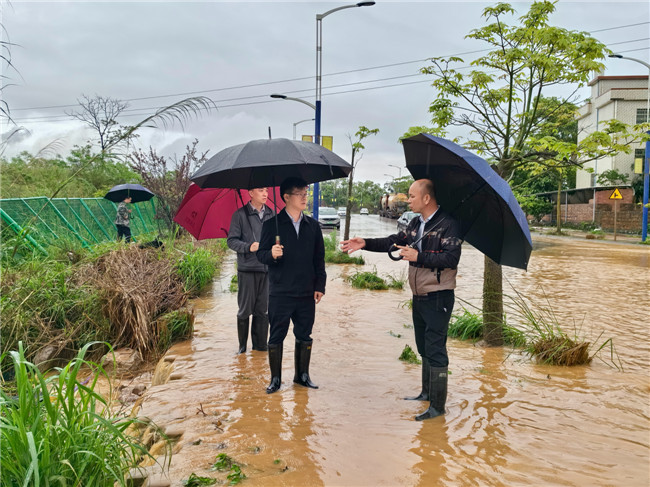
293,249
252,275
122,220
124,194
432,245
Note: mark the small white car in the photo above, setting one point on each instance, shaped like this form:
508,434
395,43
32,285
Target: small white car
327,217
364,211
341,211
403,221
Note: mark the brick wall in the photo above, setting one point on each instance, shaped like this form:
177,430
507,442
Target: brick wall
628,215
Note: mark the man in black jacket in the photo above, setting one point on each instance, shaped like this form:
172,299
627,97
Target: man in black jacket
431,244
252,279
295,256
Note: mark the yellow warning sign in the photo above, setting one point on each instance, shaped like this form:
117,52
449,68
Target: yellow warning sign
616,195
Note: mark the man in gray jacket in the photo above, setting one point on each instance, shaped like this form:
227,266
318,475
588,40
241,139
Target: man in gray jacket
252,276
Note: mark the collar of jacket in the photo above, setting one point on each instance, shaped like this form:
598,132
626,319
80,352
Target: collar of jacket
252,212
283,217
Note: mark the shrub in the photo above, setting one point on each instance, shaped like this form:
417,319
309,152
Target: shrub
409,356
370,280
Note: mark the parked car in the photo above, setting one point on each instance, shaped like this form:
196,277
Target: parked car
403,221
327,217
341,211
364,211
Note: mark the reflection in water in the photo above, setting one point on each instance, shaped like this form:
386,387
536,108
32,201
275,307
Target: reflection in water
508,422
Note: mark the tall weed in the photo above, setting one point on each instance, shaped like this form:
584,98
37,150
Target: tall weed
58,430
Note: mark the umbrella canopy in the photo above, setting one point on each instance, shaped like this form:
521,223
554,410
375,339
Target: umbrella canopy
483,203
137,193
267,162
206,213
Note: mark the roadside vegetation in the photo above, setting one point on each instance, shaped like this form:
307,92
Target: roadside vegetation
114,293
539,332
370,280
334,256
57,429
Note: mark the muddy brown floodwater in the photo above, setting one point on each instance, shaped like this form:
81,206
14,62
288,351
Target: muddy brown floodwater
508,422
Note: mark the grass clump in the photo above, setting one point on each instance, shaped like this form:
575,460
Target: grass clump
58,430
196,269
548,342
225,463
334,256
370,280
197,481
174,326
234,284
409,356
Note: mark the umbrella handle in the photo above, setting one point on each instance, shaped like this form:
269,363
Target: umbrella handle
392,249
277,239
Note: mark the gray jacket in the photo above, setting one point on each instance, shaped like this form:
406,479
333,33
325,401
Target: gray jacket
246,228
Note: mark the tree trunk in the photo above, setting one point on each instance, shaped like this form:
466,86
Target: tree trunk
558,208
492,303
348,211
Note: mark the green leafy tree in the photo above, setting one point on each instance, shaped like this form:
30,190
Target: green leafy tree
399,185
357,147
500,99
612,177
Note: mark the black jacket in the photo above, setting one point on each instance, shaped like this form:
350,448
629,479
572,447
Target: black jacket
301,269
436,267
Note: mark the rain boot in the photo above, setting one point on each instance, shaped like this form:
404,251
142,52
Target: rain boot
260,333
424,394
302,356
437,394
242,333
275,363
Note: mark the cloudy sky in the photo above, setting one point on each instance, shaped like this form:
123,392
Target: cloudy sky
152,54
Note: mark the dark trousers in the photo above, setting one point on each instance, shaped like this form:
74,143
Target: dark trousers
283,309
431,314
123,231
252,294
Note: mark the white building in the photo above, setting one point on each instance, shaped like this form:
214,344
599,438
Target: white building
613,97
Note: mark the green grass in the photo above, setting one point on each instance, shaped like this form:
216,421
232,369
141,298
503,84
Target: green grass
469,326
59,429
234,284
370,280
174,326
197,481
409,356
334,256
197,269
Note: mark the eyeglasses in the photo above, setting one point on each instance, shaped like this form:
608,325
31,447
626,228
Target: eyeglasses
300,195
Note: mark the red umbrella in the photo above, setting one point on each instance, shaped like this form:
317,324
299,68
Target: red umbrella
206,213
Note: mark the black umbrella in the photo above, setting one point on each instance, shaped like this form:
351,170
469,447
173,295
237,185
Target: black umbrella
483,203
137,193
267,162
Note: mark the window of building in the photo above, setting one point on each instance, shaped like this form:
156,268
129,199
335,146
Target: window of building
641,115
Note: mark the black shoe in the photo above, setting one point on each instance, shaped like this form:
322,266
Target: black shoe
275,363
242,333
437,393
302,356
424,394
260,333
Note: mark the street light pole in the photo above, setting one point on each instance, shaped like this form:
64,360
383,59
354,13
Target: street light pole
319,71
646,164
297,123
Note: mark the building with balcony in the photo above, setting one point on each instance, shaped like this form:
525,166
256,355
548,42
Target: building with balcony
623,98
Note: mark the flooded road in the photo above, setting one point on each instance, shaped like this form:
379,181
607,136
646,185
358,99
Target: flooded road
508,422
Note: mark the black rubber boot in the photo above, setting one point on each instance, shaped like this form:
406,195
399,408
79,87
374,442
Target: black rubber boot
260,333
302,356
275,363
437,394
242,333
424,394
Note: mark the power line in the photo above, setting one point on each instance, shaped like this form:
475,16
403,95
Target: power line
267,83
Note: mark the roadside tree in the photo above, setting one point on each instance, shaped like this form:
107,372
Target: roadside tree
357,147
500,101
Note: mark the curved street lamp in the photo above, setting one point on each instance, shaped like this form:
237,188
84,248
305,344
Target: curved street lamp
646,164
298,123
319,70
398,168
299,100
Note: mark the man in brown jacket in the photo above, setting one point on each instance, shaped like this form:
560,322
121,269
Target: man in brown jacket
431,244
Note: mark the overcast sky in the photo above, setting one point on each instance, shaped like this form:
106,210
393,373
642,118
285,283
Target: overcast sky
238,53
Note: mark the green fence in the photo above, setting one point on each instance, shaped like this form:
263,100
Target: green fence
41,221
